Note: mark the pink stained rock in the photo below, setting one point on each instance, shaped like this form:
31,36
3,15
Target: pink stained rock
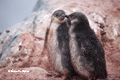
23,45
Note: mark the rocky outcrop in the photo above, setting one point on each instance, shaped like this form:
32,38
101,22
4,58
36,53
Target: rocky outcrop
21,46
35,73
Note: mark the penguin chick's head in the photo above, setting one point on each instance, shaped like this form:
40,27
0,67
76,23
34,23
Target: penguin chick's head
58,16
77,18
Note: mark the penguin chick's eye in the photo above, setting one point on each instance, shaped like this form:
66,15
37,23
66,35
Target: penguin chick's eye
57,15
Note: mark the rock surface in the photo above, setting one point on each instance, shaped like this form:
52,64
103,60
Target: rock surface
21,46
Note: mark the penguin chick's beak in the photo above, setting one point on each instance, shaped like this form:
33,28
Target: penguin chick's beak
68,20
66,16
62,17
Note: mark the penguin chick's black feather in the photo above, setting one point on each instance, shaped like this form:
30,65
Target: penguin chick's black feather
86,51
58,45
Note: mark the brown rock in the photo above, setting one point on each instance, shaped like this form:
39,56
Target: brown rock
7,31
0,33
24,46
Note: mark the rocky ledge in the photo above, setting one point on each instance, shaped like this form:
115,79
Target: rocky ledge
21,46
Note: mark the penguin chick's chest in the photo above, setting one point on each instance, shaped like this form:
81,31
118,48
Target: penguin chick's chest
53,30
53,46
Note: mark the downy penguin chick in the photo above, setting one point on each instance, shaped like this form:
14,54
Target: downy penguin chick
58,45
86,51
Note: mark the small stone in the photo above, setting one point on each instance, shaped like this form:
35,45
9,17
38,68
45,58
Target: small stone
7,31
0,33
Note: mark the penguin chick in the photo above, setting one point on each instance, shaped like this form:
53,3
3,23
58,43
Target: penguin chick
58,45
86,51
